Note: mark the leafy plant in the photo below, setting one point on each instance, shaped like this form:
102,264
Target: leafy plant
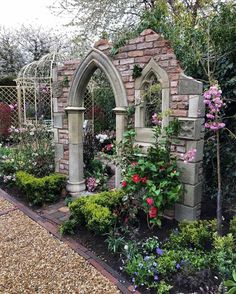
232,228
137,71
231,284
151,179
40,190
94,211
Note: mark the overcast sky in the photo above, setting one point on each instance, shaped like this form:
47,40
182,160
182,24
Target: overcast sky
13,13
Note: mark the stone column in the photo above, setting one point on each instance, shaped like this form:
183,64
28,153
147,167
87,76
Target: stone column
76,183
120,128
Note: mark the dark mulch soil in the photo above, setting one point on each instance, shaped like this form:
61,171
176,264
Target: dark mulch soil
202,282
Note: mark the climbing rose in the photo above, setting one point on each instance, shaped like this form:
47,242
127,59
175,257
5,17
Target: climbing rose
135,178
153,212
134,163
150,201
124,184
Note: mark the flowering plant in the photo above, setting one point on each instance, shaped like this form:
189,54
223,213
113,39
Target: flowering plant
153,178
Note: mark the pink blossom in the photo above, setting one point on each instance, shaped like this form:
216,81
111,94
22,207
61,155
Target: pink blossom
156,120
214,104
189,156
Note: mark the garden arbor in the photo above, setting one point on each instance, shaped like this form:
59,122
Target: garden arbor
152,55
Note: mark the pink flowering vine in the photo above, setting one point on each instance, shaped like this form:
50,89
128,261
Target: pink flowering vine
214,104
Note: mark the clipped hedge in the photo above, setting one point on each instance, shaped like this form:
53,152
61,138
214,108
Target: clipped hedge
94,211
40,190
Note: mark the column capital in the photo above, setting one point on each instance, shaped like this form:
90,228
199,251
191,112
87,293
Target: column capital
120,110
72,109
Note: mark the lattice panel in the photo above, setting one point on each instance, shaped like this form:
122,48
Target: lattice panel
8,95
99,103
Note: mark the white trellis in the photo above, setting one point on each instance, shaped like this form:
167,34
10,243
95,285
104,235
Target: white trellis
34,83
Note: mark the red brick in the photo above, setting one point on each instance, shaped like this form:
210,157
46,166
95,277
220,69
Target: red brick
164,63
180,112
122,55
150,38
136,53
173,91
127,61
104,47
173,62
174,84
116,62
174,77
136,40
179,98
147,32
129,85
100,42
128,48
122,67
153,51
126,73
130,92
125,79
161,43
145,45
143,59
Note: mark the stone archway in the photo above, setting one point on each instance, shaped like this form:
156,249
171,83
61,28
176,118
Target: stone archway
95,59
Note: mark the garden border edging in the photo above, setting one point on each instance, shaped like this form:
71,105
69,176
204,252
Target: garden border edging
89,256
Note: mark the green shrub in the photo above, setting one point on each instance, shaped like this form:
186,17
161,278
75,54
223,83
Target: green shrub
98,218
40,190
232,227
199,234
94,211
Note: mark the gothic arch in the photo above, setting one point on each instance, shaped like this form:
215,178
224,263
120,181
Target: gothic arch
96,59
151,68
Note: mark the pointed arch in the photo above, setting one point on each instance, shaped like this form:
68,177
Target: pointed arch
152,68
96,59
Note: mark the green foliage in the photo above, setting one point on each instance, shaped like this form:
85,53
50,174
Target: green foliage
231,284
199,234
115,243
38,191
31,150
137,71
94,211
153,175
232,228
163,287
224,254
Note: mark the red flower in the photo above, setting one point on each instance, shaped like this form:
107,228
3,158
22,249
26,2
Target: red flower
135,178
124,184
150,201
153,212
143,180
161,168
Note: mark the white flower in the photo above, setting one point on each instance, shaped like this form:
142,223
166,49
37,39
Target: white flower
126,247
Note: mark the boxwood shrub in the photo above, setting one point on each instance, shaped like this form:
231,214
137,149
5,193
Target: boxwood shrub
40,190
94,211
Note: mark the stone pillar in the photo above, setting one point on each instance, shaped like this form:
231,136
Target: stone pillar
120,128
76,183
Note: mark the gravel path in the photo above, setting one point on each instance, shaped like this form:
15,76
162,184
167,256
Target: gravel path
33,261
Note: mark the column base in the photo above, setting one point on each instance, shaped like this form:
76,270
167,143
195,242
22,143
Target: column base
75,188
183,212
